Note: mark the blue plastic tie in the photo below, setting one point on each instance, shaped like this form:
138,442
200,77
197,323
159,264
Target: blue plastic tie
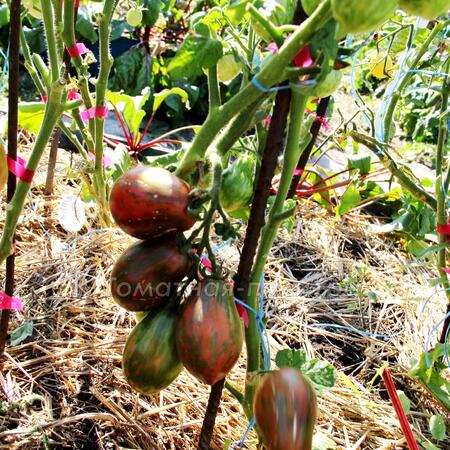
259,86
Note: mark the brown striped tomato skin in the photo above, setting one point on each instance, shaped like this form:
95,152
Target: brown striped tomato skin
146,272
285,408
150,359
209,331
147,202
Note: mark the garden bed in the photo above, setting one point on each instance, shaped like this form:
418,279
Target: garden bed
63,386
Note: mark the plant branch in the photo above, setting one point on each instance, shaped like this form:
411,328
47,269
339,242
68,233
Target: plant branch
387,121
268,76
53,111
49,25
213,89
387,161
441,195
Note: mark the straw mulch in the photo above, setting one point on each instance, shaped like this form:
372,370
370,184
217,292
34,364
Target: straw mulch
63,387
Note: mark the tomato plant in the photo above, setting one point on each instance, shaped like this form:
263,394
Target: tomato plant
260,61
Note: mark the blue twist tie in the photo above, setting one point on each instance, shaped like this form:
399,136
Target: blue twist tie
259,86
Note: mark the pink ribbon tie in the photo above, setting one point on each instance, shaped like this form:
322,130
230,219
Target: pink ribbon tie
18,168
7,302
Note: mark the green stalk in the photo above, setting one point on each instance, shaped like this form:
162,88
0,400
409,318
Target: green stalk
69,38
49,25
106,63
404,180
53,111
291,155
29,65
270,75
406,78
441,189
236,128
272,30
58,8
35,76
213,89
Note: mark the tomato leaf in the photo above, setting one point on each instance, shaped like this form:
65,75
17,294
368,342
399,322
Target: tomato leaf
360,162
199,51
405,401
22,332
321,374
31,115
431,375
163,96
437,427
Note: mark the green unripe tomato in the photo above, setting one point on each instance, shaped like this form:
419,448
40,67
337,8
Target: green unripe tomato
33,7
228,68
309,6
362,16
429,9
134,17
326,87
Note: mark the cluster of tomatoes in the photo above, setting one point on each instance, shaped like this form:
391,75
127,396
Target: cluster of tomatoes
202,333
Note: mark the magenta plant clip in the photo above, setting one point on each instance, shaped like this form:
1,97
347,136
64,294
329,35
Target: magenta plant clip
7,302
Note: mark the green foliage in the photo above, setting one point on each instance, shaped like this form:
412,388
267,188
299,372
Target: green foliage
22,332
132,71
419,115
31,115
431,376
348,200
321,374
199,51
437,427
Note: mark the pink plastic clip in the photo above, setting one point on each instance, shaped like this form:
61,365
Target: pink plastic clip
18,168
322,120
96,111
303,58
77,50
73,95
273,48
7,302
444,229
44,98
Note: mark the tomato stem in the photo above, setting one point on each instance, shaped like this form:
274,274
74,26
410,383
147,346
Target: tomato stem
267,77
269,231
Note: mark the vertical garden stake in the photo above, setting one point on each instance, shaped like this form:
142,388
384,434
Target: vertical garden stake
13,101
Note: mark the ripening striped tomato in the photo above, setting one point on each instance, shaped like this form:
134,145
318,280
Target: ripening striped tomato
285,409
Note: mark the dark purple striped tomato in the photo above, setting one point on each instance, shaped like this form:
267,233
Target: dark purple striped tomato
285,409
148,202
147,272
209,331
150,360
